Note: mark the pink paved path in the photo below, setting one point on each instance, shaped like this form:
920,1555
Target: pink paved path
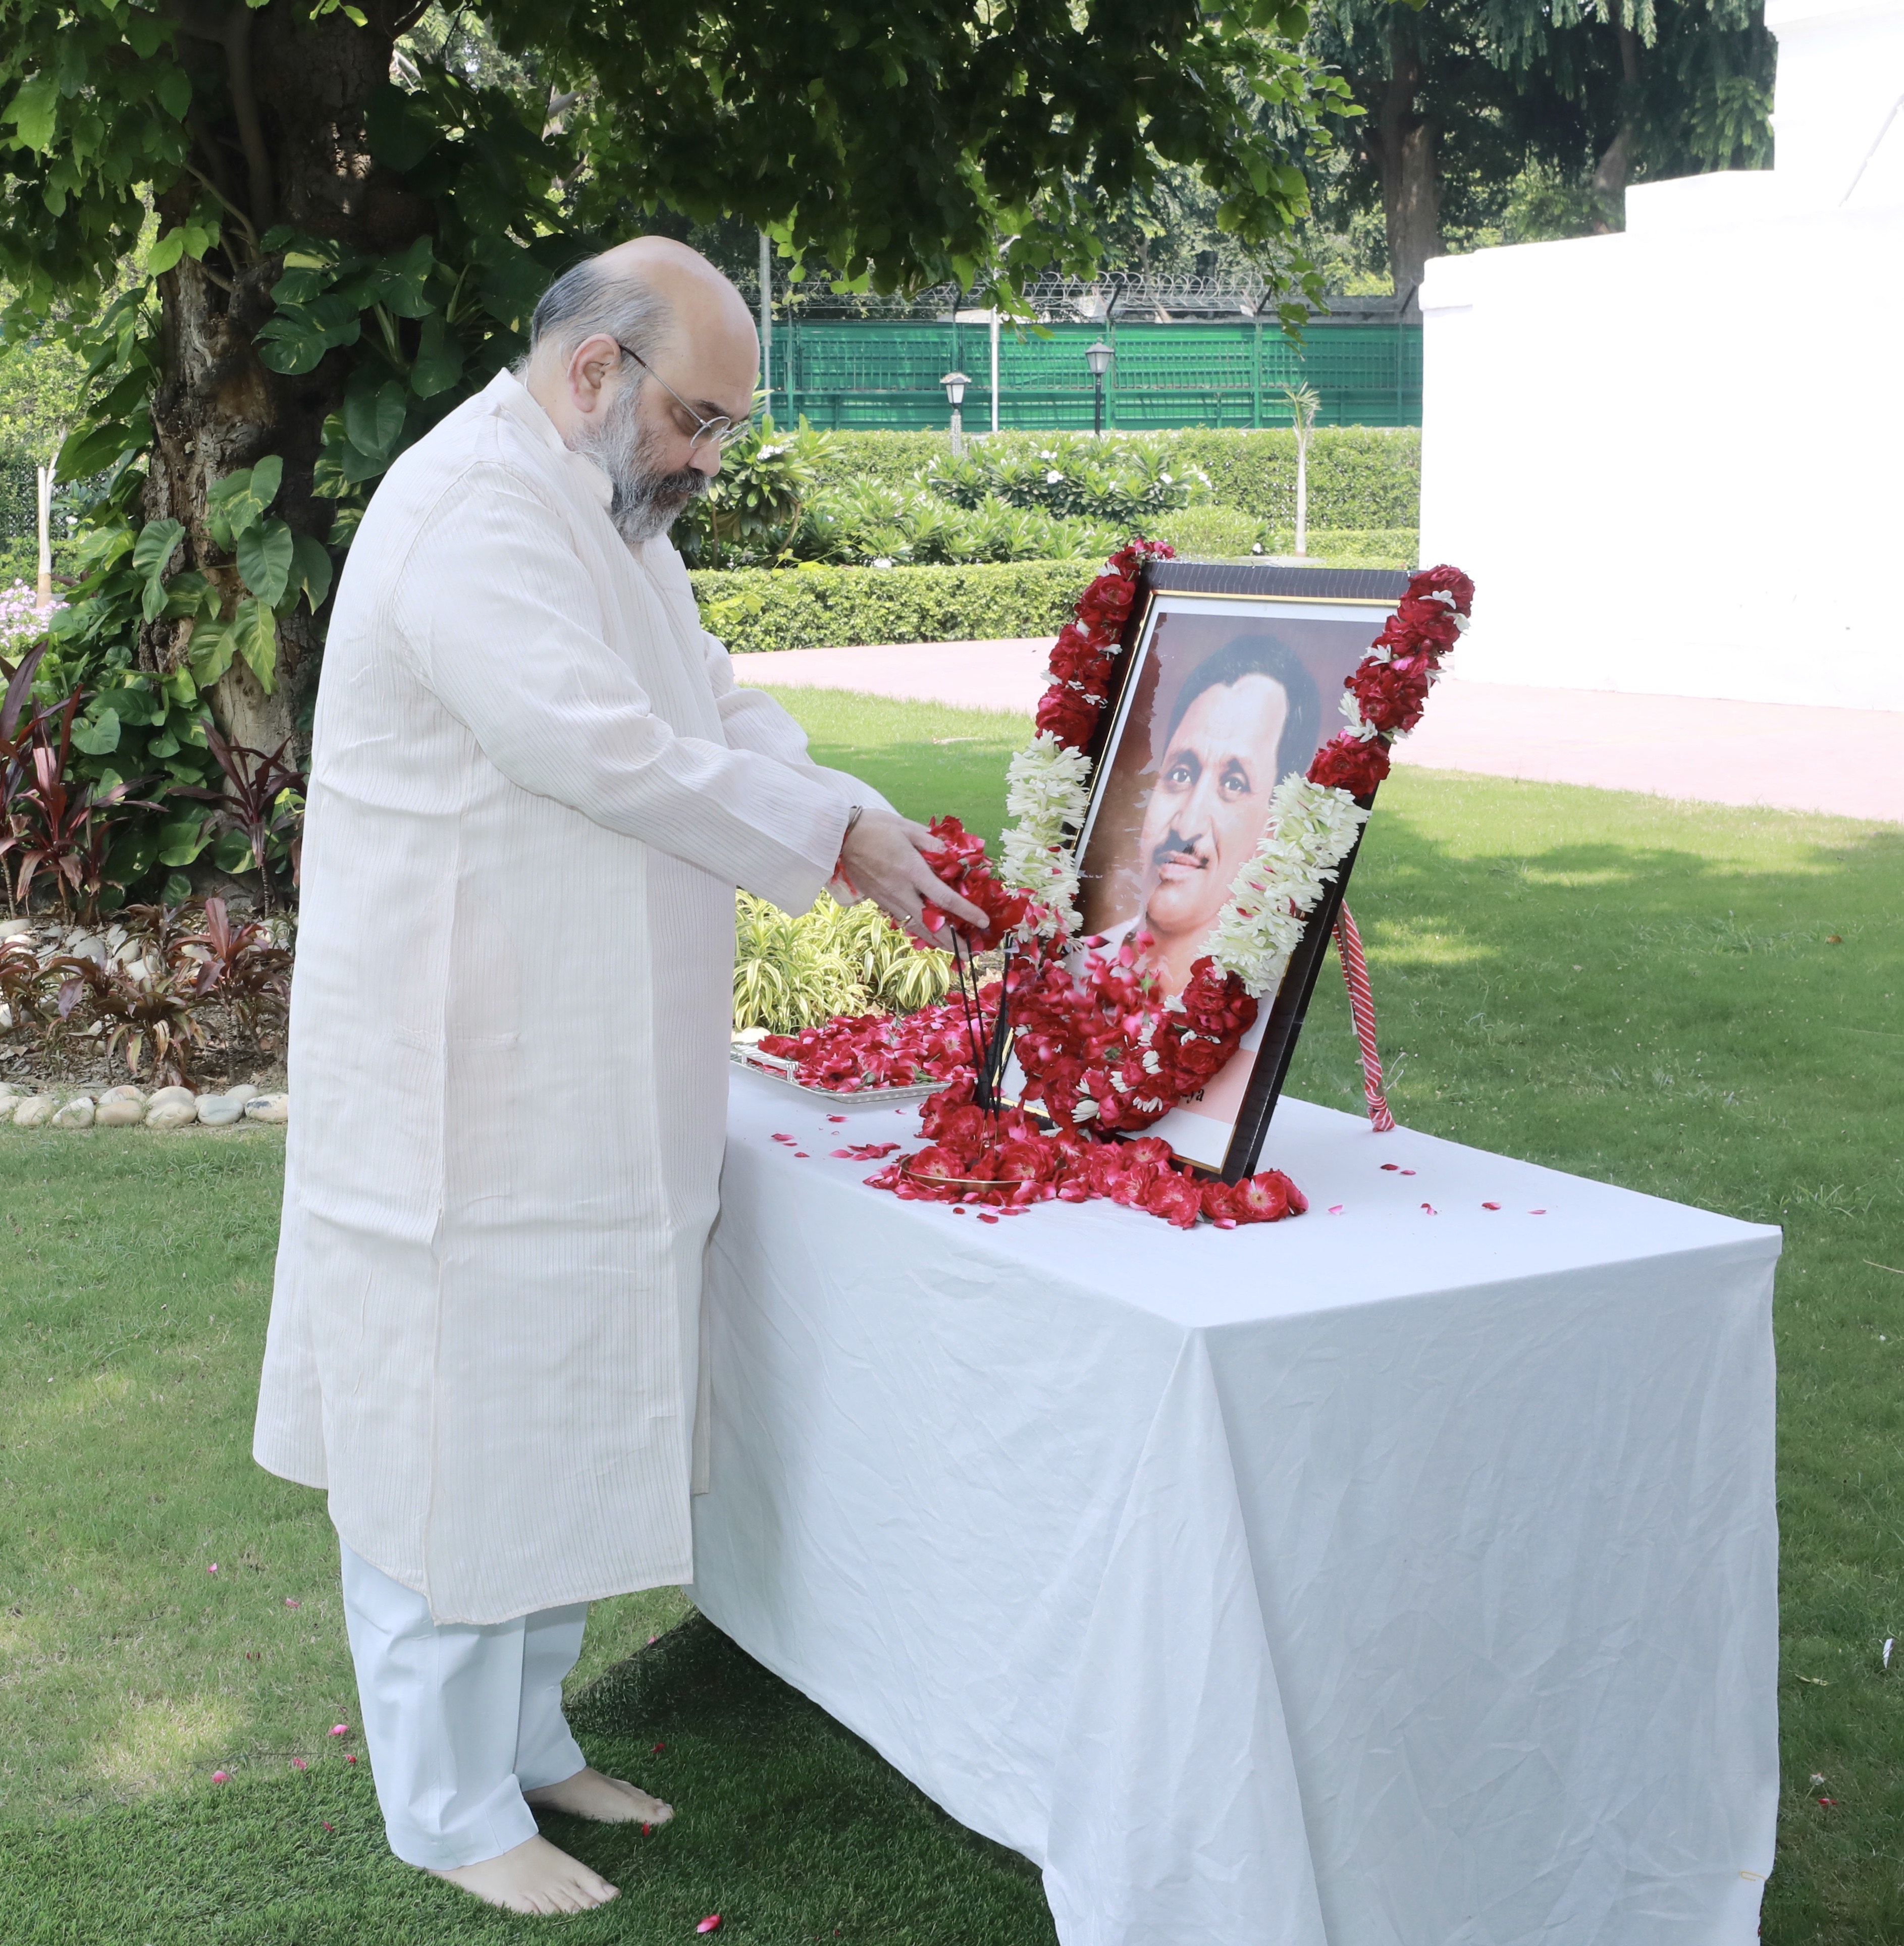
1795,756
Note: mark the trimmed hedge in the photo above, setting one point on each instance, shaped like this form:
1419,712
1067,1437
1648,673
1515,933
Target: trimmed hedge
755,609
1360,477
752,609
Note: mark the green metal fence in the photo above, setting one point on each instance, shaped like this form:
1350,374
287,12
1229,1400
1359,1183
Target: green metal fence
885,372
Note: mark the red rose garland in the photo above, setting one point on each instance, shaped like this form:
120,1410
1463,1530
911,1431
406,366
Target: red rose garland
1099,1050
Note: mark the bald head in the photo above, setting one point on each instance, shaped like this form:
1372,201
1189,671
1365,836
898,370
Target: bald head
695,358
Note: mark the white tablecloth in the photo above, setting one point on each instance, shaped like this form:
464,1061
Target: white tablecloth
1399,1577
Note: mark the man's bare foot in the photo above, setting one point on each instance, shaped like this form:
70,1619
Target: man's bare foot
606,1799
535,1876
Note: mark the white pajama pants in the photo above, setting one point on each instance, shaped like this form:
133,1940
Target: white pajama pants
460,1718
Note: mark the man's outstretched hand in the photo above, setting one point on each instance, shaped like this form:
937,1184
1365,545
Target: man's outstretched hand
886,859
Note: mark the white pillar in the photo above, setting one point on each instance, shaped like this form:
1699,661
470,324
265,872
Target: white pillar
44,499
994,367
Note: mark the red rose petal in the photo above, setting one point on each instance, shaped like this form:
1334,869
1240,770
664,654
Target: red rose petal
843,1155
801,1155
1537,1212
658,1749
986,1216
1335,1208
780,1138
1391,1165
836,1118
1431,1210
1491,1205
711,1923
1407,1172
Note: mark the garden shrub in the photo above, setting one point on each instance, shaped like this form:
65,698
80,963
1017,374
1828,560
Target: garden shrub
1360,477
755,609
794,970
1219,531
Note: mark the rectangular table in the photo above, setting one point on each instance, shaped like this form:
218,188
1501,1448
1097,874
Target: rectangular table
1404,1574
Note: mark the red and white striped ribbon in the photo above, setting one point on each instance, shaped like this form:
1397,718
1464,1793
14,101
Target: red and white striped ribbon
1362,1004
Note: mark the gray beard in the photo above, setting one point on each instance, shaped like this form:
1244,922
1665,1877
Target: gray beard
646,500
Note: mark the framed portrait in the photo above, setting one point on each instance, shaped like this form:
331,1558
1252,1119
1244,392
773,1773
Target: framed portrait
1231,679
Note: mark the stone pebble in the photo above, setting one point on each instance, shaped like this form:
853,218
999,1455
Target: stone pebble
127,1106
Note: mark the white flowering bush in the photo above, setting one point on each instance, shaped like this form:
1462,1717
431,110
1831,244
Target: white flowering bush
21,620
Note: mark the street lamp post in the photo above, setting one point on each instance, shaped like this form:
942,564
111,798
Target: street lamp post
1098,357
955,383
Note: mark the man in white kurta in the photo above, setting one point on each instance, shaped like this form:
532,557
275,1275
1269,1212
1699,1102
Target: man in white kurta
534,787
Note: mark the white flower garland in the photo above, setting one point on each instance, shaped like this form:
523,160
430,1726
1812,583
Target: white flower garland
1312,829
1047,789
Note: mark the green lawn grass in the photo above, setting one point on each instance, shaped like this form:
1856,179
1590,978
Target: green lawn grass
1631,989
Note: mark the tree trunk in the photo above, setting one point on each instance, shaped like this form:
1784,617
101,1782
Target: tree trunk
1411,186
1615,164
292,149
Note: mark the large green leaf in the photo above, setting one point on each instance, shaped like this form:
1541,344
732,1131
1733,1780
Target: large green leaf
439,359
311,570
184,838
298,336
264,557
33,110
255,628
97,733
399,136
238,500
214,644
157,541
94,450
373,416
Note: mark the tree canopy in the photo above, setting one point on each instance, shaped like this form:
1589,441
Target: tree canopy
346,217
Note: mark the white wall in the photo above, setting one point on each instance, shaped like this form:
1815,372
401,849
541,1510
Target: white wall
1673,459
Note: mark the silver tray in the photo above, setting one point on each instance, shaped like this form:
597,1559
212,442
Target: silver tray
777,1067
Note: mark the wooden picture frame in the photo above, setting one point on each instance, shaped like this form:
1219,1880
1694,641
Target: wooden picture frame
1231,633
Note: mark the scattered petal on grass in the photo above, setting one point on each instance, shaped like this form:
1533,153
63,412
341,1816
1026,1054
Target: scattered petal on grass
291,1602
647,1831
349,1756
653,1640
213,1569
711,1923
221,1777
658,1749
1829,1803
298,1763
327,1825
340,1729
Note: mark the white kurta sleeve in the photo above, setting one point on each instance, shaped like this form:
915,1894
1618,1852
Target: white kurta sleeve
506,627
752,720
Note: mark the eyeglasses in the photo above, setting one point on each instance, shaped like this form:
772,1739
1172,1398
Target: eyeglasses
723,431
